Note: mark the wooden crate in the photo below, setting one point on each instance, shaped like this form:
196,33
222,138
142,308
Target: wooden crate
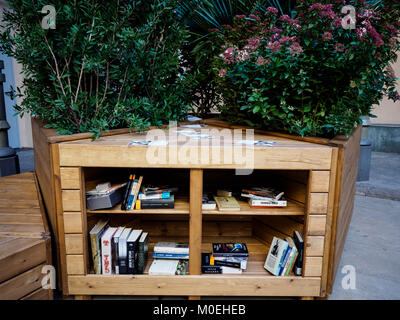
52,147
25,243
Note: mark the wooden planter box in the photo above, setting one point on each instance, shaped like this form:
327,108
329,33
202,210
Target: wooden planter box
55,175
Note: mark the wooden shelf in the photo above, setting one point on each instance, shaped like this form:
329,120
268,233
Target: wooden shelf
182,207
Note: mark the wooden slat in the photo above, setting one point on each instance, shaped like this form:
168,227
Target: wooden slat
21,285
316,225
194,285
318,203
75,264
313,267
320,181
73,222
315,246
195,221
74,243
20,219
70,178
39,294
71,200
20,255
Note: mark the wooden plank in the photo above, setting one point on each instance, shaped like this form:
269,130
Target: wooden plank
20,219
315,246
98,155
74,243
20,255
320,181
73,222
23,230
22,285
39,294
75,264
195,221
194,285
313,267
328,228
318,203
316,225
70,178
71,200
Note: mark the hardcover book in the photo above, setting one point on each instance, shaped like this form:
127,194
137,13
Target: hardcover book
208,266
171,247
123,251
132,251
115,240
168,267
106,251
299,242
170,256
230,249
227,204
276,256
143,249
156,203
293,255
95,242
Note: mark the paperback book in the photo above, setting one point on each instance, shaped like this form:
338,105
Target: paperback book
230,250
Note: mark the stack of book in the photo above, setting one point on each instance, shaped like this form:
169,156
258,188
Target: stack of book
285,256
227,258
156,197
264,197
104,196
131,192
118,250
170,258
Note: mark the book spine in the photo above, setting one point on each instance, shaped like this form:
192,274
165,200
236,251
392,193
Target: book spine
288,261
132,195
141,205
171,255
290,268
106,256
126,195
211,269
227,264
122,261
278,267
151,192
132,257
164,195
263,203
287,254
115,260
231,254
298,267
95,252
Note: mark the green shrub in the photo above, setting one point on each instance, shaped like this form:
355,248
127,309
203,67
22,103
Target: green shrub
308,75
107,64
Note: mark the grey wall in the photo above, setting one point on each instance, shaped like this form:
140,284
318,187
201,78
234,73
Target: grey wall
384,137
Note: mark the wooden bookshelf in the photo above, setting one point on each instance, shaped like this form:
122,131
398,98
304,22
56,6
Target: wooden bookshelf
304,170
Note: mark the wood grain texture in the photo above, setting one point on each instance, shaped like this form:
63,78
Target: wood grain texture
313,267
73,222
71,200
318,203
75,264
70,178
316,225
195,222
74,243
320,181
200,285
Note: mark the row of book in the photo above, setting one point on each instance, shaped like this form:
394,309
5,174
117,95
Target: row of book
118,250
226,258
257,197
286,256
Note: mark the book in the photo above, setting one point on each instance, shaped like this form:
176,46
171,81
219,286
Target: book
224,192
114,249
230,250
258,203
149,189
208,266
208,202
132,250
275,256
156,203
293,255
233,262
123,251
134,194
164,195
170,256
106,251
265,192
95,242
143,249
101,191
168,267
171,247
127,192
299,242
227,204
284,259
